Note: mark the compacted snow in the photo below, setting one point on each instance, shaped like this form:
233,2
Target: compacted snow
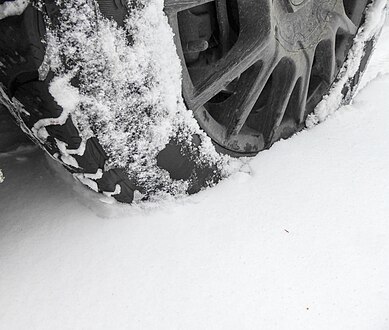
298,239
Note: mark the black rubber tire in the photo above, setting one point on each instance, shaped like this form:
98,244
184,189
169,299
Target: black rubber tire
22,53
22,44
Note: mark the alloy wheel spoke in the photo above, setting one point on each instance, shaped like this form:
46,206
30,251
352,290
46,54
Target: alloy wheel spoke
305,71
254,14
242,56
331,62
342,21
245,98
325,64
223,22
174,6
268,64
253,39
284,80
303,98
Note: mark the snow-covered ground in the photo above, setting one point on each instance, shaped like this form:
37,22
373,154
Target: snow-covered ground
298,240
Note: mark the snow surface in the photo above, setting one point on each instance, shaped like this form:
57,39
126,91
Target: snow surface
299,239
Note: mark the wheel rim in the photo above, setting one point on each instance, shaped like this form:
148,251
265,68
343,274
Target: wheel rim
254,69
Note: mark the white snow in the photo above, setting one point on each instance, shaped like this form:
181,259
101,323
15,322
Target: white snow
13,8
298,239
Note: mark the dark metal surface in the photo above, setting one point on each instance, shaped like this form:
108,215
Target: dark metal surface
254,69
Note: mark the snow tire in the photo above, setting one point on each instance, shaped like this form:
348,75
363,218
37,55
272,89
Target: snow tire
23,51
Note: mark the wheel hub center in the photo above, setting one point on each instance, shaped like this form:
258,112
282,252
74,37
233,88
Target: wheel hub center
300,24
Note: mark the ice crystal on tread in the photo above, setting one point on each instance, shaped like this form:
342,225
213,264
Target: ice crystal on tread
129,83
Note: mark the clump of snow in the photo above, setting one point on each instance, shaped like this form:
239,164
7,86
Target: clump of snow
67,97
129,90
374,21
13,8
2,178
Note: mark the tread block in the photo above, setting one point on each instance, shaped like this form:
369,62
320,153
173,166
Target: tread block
172,160
94,157
38,101
115,177
66,133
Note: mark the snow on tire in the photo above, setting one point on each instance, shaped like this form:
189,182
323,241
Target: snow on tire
12,7
88,85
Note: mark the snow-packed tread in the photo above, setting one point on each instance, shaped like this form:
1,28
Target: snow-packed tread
352,86
22,55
